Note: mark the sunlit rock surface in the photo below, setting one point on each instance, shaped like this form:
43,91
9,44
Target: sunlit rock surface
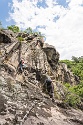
22,99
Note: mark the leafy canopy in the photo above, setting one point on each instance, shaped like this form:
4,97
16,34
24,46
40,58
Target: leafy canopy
75,65
75,93
14,28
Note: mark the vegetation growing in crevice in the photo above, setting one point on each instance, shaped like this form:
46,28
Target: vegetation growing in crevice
20,38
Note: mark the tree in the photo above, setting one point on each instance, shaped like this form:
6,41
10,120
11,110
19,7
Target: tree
76,66
29,30
81,59
14,28
75,59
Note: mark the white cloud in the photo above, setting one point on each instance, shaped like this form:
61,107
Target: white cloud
74,3
65,33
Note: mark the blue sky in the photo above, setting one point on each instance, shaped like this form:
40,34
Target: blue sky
4,9
60,20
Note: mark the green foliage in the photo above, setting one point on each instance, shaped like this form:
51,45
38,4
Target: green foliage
14,28
29,30
67,85
75,59
75,65
78,70
67,62
72,100
74,95
76,89
20,39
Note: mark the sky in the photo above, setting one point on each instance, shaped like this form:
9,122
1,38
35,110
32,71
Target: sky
61,21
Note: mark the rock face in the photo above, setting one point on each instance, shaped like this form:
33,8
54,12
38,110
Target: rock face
22,100
7,36
65,75
52,55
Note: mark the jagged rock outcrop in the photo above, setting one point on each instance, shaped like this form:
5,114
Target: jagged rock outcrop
7,36
65,75
23,101
52,55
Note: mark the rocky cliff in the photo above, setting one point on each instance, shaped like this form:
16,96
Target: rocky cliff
22,100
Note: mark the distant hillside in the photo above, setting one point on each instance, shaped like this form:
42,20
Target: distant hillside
76,66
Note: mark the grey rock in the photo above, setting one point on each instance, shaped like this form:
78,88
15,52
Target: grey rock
52,55
22,99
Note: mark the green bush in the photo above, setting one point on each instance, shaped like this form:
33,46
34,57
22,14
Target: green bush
72,100
74,95
20,39
75,65
67,85
29,30
76,89
14,28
